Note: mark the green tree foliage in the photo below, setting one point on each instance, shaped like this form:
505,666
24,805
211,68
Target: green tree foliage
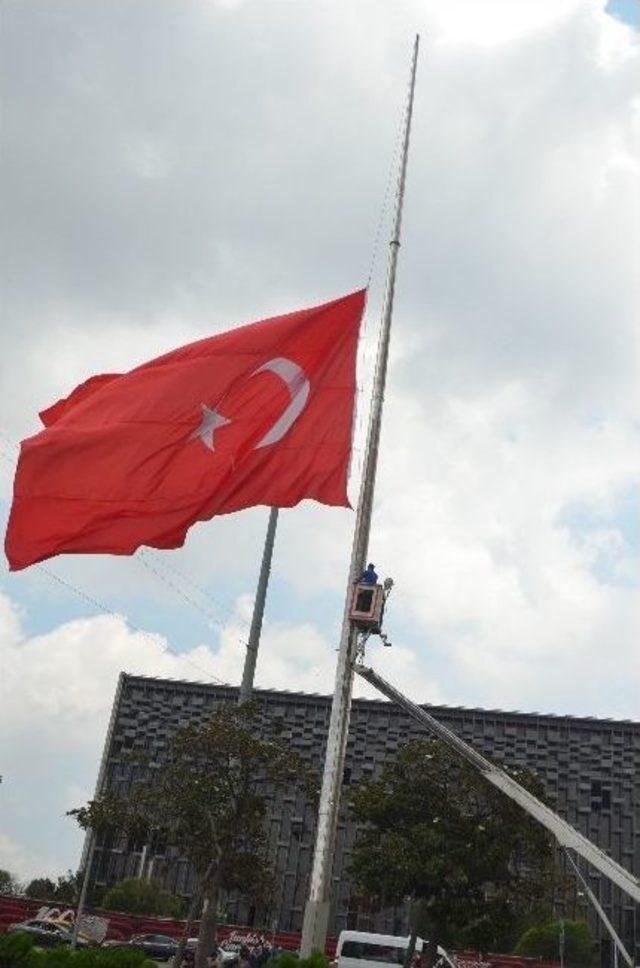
65,890
17,950
206,800
135,895
543,941
42,888
8,883
433,829
289,959
68,888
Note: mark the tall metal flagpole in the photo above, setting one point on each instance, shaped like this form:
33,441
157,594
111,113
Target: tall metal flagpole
248,673
90,840
316,915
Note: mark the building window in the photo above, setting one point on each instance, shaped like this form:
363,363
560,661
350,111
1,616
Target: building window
600,796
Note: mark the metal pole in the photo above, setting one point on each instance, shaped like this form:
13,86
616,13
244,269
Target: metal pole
83,892
88,850
143,861
618,945
316,915
248,673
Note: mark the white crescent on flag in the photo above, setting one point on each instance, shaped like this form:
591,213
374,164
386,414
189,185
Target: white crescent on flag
299,388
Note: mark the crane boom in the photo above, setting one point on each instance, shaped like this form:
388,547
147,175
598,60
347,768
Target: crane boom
565,834
602,914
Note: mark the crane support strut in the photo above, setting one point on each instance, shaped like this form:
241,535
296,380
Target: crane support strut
566,835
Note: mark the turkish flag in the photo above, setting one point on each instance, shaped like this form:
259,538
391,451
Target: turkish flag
262,414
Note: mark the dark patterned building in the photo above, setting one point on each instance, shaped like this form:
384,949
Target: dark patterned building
590,768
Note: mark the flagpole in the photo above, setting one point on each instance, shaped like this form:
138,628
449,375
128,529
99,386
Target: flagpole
90,841
316,915
251,657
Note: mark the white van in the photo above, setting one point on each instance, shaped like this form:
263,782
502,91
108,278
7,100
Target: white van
359,949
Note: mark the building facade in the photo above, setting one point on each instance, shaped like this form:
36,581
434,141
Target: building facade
590,769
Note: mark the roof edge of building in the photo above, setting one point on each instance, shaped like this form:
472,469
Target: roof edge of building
290,695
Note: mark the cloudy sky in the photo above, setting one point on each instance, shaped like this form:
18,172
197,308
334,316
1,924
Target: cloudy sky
172,168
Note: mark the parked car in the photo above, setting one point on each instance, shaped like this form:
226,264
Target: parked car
227,958
46,934
160,947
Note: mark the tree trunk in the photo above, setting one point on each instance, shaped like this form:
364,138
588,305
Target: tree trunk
411,949
430,953
208,924
430,950
182,943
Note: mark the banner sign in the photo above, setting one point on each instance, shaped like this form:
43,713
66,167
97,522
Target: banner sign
231,937
91,927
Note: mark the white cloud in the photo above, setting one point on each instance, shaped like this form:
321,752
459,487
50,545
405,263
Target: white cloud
57,693
57,690
500,21
487,566
12,858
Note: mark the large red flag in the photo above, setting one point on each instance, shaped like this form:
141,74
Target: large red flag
262,414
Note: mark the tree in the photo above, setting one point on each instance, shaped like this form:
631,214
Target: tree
68,887
543,941
41,888
434,830
8,883
207,800
65,890
135,895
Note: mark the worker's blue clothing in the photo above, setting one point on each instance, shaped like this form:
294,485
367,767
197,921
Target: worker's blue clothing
369,577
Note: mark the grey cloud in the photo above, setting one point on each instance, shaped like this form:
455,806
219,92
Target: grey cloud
218,163
167,156
173,168
523,265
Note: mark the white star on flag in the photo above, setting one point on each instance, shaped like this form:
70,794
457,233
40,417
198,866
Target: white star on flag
210,422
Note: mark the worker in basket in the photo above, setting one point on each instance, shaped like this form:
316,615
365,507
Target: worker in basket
369,576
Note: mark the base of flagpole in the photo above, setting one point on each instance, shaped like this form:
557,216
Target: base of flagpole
314,927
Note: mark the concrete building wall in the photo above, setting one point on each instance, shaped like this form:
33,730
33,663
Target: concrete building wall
590,769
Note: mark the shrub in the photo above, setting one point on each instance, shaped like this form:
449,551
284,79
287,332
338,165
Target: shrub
60,957
116,958
15,950
289,959
135,895
543,941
